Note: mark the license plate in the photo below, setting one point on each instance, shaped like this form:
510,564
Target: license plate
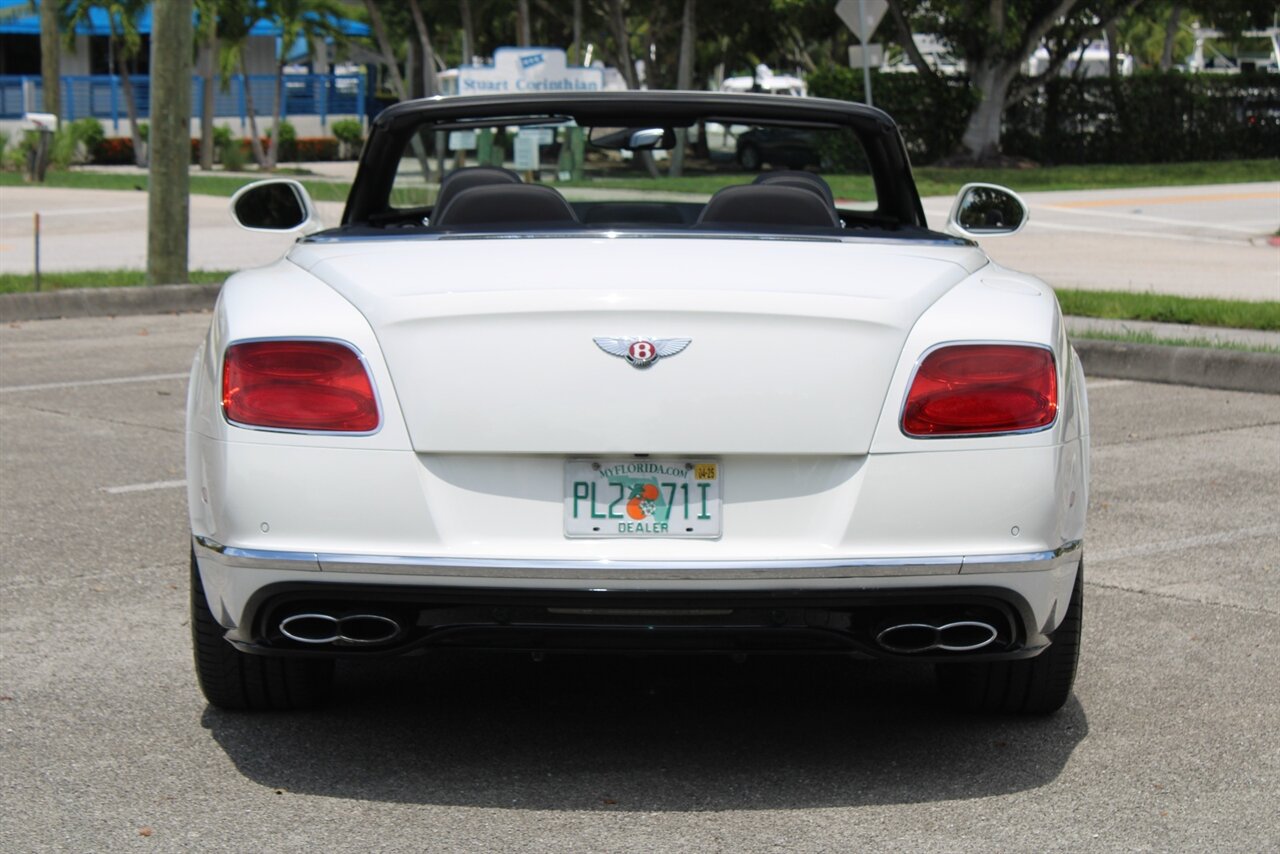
642,498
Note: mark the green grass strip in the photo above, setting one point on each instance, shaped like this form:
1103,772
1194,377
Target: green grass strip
1152,338
1163,308
12,283
201,184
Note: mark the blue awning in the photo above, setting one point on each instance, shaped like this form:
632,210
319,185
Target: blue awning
28,24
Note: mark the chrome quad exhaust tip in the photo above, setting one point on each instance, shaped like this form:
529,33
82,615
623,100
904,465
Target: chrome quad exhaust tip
957,636
348,630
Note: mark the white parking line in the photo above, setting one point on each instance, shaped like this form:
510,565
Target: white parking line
1094,385
75,212
144,487
147,378
1164,220
1158,235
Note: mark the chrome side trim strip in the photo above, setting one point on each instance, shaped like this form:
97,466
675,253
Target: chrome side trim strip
637,569
640,569
1032,561
257,558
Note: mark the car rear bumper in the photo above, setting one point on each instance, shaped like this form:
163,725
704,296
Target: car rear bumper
592,605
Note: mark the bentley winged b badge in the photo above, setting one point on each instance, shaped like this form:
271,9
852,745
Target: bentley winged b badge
642,352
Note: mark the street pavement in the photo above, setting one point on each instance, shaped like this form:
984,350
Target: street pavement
1200,241
107,230
1169,742
1192,241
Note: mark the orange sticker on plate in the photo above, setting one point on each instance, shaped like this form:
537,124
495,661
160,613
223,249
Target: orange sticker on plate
704,471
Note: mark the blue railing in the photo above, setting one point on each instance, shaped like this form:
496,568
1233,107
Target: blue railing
102,96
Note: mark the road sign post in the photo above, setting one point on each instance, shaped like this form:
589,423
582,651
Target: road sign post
863,16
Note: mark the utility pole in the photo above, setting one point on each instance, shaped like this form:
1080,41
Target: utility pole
168,203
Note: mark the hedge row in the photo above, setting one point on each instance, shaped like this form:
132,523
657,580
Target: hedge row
119,150
1151,117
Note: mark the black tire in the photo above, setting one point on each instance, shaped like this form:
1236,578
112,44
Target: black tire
235,680
1033,686
749,158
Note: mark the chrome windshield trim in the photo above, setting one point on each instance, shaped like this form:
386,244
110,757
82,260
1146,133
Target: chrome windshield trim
641,569
931,239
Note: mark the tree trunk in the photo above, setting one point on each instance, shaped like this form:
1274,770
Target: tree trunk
131,108
384,46
684,79
397,81
430,83
981,140
622,40
255,142
208,70
468,32
120,66
991,74
908,43
577,32
51,57
1113,48
168,202
277,115
1170,35
524,28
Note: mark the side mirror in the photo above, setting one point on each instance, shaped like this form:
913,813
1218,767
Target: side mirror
986,210
277,204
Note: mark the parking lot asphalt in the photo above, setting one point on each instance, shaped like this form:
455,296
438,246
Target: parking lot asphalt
1169,742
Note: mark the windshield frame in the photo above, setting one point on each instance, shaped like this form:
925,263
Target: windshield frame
886,154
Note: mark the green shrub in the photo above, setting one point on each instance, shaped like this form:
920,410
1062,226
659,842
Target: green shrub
931,115
14,158
1151,117
230,150
349,131
76,142
350,135
88,132
288,141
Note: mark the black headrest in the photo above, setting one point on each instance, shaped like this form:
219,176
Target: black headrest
796,178
504,203
765,204
471,176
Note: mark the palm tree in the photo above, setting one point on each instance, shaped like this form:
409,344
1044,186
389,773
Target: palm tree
206,37
298,19
125,42
235,19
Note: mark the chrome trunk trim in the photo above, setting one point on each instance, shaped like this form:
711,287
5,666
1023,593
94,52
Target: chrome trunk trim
636,569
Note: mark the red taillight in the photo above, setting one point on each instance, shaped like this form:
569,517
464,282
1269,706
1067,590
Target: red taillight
298,385
982,388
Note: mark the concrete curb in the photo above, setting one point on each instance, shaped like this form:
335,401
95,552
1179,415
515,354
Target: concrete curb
1233,370
106,302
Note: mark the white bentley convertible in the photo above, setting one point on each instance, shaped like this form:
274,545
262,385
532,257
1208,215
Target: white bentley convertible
540,409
